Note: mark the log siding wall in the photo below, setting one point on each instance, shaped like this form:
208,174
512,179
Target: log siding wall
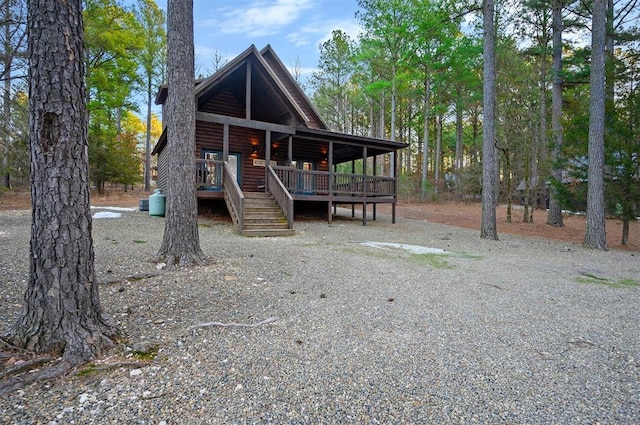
163,170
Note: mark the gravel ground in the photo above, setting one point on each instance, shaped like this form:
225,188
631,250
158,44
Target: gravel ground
512,332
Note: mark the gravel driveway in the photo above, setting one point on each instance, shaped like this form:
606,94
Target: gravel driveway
523,330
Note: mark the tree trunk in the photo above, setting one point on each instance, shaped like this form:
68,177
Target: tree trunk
437,157
625,232
488,228
595,235
458,162
394,101
61,311
6,96
181,243
425,140
554,217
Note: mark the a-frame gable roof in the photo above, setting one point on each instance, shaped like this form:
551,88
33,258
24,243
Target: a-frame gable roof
296,92
260,65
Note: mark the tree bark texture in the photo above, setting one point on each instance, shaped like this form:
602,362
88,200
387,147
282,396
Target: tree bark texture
181,243
595,235
61,311
425,139
488,228
554,216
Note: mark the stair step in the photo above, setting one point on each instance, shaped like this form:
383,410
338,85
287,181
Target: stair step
265,220
251,201
265,226
261,207
262,210
257,195
263,216
268,232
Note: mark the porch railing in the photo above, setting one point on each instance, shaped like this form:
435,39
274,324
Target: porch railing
234,196
318,183
281,195
209,174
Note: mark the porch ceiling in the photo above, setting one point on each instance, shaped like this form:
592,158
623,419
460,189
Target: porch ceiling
348,147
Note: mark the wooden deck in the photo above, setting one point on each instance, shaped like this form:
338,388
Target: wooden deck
290,183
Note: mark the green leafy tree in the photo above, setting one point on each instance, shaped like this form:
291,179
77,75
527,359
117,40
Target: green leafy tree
386,23
331,80
152,58
114,39
435,32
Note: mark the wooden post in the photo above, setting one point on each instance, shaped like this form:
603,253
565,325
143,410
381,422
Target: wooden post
375,204
364,186
225,143
248,92
331,178
395,188
267,158
290,151
353,172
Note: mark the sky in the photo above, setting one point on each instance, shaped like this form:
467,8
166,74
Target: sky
293,28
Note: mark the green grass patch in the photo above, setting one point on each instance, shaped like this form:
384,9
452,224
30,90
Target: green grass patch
87,370
139,241
588,278
147,355
436,261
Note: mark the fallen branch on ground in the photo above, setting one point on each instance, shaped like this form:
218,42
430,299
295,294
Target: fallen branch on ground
132,278
232,324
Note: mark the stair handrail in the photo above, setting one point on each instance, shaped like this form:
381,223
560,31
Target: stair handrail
280,194
236,197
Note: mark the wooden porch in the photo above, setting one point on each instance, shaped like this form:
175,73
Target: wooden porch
214,180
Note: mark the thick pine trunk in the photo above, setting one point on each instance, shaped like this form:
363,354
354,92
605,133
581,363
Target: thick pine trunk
488,228
61,311
595,235
554,217
181,243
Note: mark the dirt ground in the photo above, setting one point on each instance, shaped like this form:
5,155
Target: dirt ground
467,215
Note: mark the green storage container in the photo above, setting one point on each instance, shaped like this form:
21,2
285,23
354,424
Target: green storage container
156,203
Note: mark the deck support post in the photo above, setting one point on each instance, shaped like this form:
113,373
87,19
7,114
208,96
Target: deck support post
331,179
374,174
353,206
364,185
395,186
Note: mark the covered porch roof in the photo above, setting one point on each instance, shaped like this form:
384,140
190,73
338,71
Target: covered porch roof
348,147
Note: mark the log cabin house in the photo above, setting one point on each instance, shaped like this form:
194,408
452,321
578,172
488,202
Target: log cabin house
263,149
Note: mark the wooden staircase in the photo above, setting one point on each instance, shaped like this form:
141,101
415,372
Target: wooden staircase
263,216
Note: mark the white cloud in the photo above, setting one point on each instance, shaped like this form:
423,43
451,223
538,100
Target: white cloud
320,32
260,17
